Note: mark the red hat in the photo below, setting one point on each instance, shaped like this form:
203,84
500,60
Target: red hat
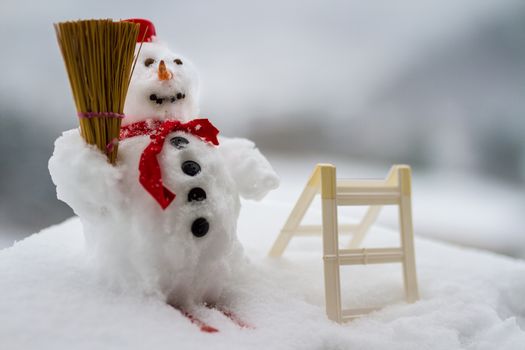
147,29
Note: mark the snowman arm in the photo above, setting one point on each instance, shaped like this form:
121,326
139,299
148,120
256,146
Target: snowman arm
251,171
83,177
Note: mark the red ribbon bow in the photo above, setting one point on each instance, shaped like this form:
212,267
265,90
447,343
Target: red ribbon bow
150,175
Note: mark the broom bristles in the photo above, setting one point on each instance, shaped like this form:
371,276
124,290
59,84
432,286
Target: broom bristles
99,56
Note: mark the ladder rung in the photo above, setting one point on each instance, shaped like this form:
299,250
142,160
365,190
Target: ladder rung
367,198
350,314
367,256
364,187
315,230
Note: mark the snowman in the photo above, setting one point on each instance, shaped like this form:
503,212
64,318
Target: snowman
163,220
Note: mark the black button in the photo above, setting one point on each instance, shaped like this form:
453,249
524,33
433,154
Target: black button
191,168
179,142
200,227
196,194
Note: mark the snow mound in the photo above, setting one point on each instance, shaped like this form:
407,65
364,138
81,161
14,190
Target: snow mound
52,299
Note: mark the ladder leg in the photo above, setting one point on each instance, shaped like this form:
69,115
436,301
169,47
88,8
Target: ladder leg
407,236
293,221
331,244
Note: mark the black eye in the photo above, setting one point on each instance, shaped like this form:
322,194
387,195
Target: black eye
178,61
149,61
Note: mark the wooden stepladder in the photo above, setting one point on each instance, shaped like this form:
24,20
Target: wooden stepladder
394,190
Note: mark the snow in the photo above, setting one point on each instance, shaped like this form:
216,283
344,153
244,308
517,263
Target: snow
53,299
102,280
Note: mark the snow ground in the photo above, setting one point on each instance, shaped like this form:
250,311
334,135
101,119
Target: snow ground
469,299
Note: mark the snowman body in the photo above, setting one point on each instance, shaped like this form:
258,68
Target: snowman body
196,248
185,253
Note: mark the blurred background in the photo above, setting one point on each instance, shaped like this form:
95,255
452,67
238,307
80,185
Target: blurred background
438,84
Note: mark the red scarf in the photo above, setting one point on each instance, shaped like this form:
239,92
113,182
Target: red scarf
149,169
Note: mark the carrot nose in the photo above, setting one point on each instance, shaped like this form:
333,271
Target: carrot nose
164,73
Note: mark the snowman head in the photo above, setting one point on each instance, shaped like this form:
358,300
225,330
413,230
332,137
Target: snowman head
164,85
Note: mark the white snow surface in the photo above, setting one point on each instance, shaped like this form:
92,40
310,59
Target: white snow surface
53,299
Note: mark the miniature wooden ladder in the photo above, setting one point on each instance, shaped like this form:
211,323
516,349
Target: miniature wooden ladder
394,190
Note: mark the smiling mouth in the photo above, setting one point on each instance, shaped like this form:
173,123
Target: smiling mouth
172,99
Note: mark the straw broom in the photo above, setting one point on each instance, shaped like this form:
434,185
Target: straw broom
99,59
